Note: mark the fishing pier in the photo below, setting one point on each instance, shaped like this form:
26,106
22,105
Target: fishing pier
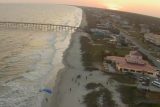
38,26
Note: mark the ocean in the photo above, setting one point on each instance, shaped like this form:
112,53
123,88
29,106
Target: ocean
31,60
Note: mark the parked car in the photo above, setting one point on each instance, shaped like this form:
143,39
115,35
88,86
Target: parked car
144,79
158,60
145,83
156,83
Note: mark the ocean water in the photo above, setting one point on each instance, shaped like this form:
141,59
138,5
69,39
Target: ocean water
30,60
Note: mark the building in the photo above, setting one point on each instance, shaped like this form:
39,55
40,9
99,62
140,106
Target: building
114,16
153,38
133,62
122,41
144,28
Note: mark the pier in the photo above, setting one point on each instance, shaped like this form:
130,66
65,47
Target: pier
38,26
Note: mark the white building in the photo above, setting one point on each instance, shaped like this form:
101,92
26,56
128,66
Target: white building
153,38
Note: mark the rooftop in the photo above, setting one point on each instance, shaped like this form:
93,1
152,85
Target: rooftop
132,61
120,61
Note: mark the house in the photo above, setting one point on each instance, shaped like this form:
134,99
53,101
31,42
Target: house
122,41
153,38
133,62
100,31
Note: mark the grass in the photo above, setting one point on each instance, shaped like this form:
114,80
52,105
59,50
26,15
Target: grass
139,98
92,54
124,78
91,99
130,95
153,96
148,105
121,51
95,53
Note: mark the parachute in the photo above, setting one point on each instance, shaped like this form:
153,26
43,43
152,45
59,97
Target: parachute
49,91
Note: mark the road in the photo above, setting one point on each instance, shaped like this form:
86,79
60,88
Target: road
150,87
141,49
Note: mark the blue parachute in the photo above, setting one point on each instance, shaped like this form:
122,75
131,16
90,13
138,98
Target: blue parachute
49,91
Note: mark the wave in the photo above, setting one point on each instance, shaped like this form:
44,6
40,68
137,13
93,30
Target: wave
31,60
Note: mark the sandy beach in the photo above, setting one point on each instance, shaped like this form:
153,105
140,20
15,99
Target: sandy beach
31,60
70,90
73,67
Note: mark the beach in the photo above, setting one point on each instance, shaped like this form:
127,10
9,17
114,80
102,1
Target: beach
73,78
73,52
31,60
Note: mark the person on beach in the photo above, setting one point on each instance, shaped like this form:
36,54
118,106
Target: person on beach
46,99
70,89
107,82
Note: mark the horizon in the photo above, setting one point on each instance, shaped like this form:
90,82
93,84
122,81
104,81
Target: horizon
79,54
12,3
143,7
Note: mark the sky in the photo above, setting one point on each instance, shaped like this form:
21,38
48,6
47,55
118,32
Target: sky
147,7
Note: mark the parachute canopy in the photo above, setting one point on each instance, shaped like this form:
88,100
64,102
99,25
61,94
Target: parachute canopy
49,91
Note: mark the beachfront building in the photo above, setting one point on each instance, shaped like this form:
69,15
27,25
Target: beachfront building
133,62
153,38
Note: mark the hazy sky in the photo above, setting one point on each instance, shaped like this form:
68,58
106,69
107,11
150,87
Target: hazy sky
148,7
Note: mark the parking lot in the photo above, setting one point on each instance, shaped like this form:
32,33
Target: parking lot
145,82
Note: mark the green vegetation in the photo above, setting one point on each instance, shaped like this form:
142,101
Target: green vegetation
121,51
94,15
91,54
124,78
96,98
139,98
130,95
95,52
98,47
93,85
148,105
153,96
139,38
138,19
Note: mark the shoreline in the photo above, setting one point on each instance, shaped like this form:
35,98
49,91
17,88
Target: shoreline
52,100
70,88
63,71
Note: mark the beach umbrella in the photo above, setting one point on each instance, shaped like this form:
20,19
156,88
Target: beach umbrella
49,91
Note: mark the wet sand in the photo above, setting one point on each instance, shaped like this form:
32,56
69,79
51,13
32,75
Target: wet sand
73,65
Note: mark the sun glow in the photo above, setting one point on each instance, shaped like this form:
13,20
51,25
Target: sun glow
113,7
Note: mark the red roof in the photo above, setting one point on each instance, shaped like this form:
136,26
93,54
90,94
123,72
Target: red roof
121,62
136,53
134,57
